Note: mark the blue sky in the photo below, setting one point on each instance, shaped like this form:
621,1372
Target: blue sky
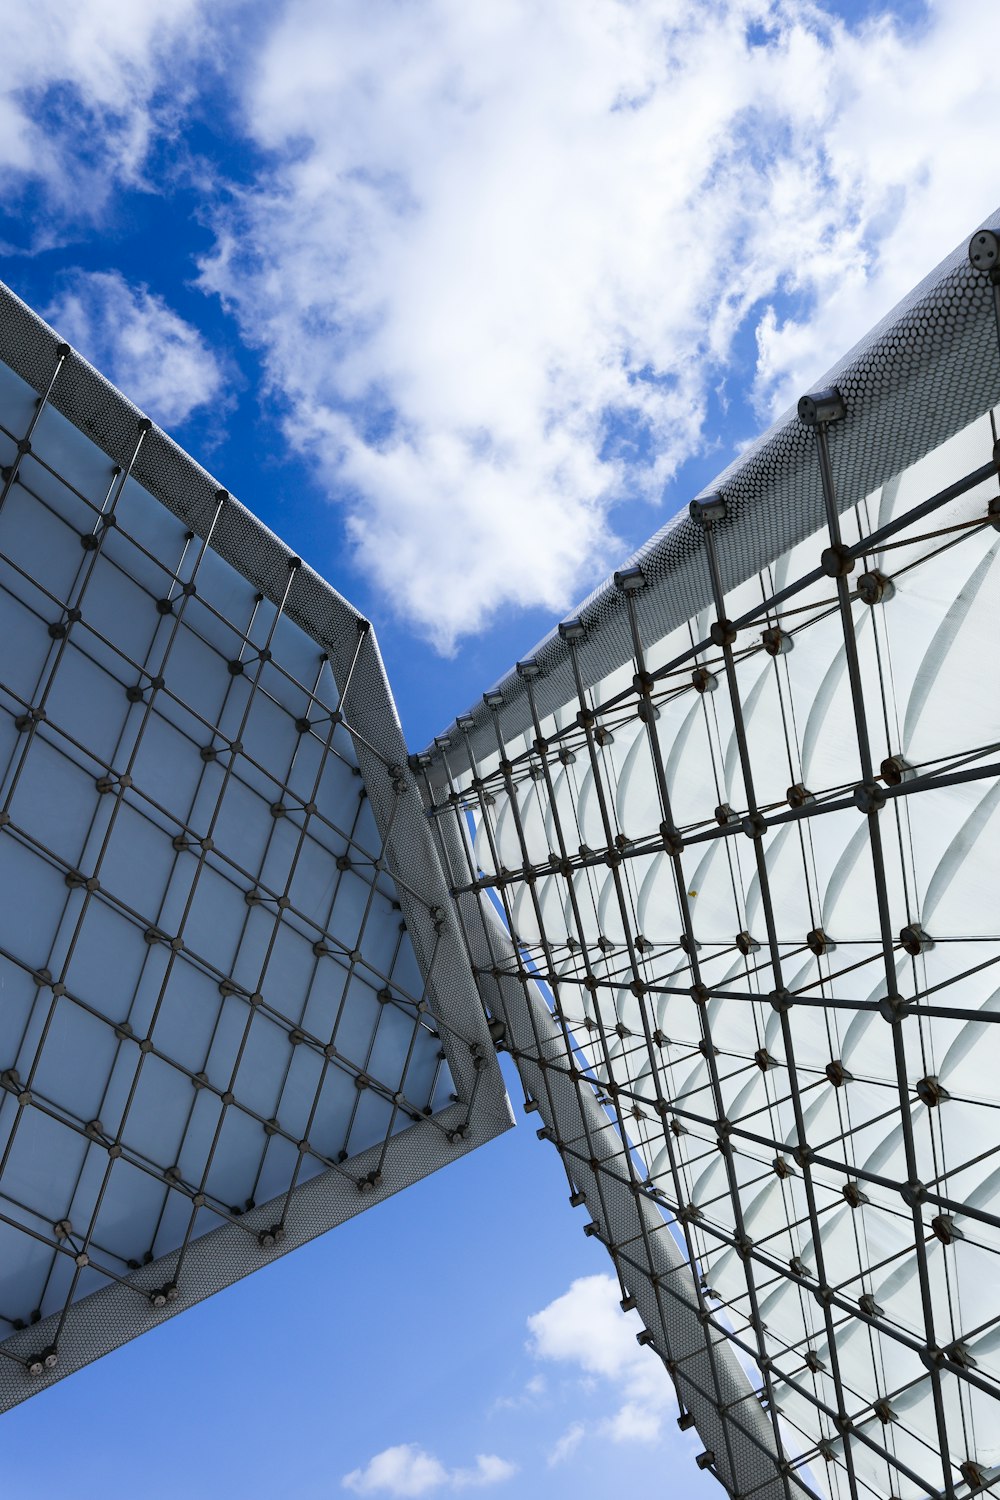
464,302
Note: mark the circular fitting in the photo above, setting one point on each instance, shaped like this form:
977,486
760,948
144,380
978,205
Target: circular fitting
984,250
817,942
894,770
875,588
837,561
722,633
777,642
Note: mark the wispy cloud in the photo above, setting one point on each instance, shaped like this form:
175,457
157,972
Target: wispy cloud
565,1446
161,362
407,1469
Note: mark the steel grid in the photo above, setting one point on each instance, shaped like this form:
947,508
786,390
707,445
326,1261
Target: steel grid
234,991
812,1111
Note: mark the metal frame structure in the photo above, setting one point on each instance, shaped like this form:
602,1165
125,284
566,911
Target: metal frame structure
769,1117
122,564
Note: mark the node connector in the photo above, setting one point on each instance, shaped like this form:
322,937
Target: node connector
572,630
708,509
821,407
984,250
630,580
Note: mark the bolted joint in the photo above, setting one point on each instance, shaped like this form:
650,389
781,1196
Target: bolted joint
644,1338
630,580
853,1195
944,1228
894,770
704,681
984,250
45,1360
572,630
708,509
722,633
754,825
705,1460
869,797
931,1091
838,1074
875,588
893,1008
781,1000
777,642
673,841
528,668
498,1034
799,795
836,561
493,699
821,407
915,940
746,944
973,1474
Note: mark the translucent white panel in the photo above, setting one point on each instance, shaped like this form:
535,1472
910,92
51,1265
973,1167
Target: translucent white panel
819,989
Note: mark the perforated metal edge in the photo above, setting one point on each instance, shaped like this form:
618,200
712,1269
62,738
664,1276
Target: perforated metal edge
923,373
736,1429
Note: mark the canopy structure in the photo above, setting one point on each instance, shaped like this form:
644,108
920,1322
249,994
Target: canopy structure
715,864
740,817
235,1008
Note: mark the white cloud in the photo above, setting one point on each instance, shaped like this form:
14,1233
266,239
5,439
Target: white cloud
566,1446
408,1469
498,256
534,1390
489,1469
87,87
585,1327
502,254
160,362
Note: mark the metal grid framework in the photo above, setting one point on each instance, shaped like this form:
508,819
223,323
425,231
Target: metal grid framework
235,1007
749,876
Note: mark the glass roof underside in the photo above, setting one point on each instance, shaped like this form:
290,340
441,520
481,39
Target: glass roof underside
210,993
753,873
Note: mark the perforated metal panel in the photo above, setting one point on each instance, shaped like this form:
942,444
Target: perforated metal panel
234,1008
